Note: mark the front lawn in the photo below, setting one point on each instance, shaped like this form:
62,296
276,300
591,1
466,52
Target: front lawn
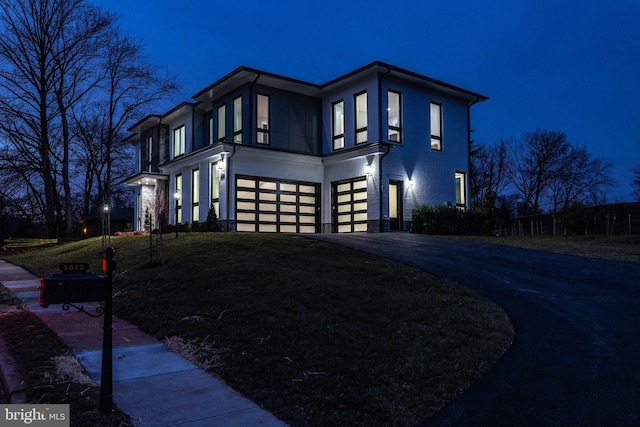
315,333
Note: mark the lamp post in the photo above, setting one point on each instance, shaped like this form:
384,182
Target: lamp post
176,196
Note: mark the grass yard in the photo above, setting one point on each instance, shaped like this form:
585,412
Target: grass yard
315,333
616,248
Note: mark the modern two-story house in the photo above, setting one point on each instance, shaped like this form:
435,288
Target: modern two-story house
275,154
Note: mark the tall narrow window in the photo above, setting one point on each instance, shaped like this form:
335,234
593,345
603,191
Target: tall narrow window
222,117
195,195
215,188
394,116
178,198
461,193
237,120
178,141
149,152
436,126
361,117
338,125
262,125
210,130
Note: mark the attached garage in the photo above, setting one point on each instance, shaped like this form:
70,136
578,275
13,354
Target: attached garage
349,205
277,206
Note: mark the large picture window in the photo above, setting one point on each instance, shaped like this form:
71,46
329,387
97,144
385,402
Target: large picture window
338,125
361,117
237,120
262,115
222,128
394,116
435,111
178,141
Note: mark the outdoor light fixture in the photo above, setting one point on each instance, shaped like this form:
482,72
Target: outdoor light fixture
410,183
221,166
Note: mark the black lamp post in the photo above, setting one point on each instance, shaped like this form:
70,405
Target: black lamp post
176,196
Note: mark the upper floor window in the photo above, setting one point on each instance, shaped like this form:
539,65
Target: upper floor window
262,115
436,125
210,130
222,117
178,141
461,192
237,120
338,125
394,117
361,117
149,152
195,195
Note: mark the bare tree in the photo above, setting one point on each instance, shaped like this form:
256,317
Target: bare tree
57,58
489,173
537,161
635,183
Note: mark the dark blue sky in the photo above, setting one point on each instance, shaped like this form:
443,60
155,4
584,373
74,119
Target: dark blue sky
571,65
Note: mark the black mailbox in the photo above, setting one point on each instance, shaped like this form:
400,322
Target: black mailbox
74,285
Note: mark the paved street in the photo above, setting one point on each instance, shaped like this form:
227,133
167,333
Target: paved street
575,360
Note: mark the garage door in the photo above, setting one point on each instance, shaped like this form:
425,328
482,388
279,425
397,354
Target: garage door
350,205
269,205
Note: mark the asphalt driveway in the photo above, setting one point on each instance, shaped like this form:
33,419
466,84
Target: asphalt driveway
575,360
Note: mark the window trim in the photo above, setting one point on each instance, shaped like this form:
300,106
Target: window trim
437,138
398,128
265,133
237,132
215,188
179,150
337,136
363,129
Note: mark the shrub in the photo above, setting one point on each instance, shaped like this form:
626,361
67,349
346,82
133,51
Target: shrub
448,220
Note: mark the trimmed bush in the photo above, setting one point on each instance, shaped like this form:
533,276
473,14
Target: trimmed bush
448,220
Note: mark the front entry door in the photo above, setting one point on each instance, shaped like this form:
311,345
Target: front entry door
395,205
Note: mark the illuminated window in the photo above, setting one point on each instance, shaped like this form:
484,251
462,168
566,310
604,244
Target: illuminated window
338,125
195,195
237,120
436,126
222,117
461,193
178,201
394,116
215,188
361,117
178,141
263,119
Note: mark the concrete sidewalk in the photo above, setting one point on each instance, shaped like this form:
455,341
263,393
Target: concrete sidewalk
154,386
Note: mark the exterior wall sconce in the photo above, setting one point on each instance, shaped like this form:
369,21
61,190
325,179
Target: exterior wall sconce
369,166
410,183
221,166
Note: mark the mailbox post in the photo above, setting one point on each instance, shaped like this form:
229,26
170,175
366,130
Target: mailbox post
106,376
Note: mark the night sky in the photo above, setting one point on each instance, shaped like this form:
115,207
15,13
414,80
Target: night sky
562,65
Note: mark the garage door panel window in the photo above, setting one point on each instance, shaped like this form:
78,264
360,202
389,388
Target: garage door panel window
349,200
283,206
